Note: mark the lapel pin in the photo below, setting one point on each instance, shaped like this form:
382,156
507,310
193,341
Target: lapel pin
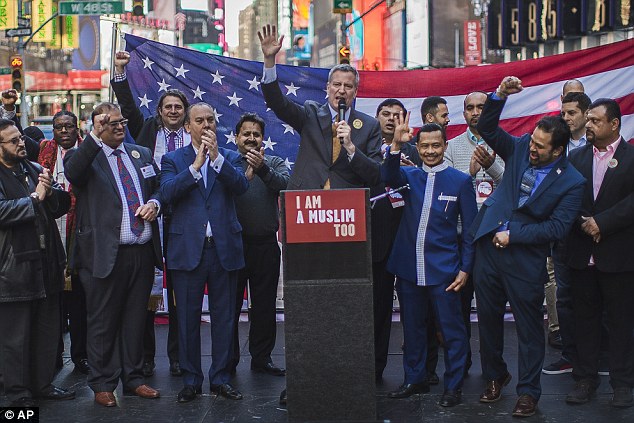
558,171
613,163
135,154
357,124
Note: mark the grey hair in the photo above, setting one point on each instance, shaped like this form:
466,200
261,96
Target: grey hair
344,67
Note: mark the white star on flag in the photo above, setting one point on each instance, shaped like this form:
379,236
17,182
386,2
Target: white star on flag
217,115
288,163
233,99
147,63
288,128
231,138
217,78
254,83
163,86
198,93
268,144
181,71
292,89
144,101
326,91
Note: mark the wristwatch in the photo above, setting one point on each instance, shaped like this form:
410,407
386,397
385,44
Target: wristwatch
35,197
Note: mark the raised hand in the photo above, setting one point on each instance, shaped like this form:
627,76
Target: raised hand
121,60
208,139
509,85
402,132
9,97
101,122
270,44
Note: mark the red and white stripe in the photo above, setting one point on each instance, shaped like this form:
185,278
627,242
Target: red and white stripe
606,71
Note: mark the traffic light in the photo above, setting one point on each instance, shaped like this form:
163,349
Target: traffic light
17,73
344,54
137,8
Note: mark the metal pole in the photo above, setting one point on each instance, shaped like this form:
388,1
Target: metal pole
113,52
456,50
24,109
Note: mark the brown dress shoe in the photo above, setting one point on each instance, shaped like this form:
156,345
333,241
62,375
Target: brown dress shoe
106,399
526,406
493,391
145,391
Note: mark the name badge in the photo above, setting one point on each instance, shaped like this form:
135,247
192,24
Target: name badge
442,197
484,189
148,171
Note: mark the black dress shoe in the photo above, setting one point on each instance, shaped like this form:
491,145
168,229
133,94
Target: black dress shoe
451,398
283,397
148,368
408,389
268,368
82,366
175,369
55,393
188,394
24,402
227,391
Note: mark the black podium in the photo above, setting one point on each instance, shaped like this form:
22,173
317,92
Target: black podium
328,305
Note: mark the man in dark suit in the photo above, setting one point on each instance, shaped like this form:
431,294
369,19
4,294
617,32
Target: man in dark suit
386,216
534,205
161,134
331,154
117,247
200,182
600,254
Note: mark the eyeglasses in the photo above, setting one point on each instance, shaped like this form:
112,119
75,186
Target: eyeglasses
122,122
14,141
69,126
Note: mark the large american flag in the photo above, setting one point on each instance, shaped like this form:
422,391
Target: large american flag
232,87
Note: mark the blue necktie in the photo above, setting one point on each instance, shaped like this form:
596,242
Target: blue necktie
131,195
527,184
171,142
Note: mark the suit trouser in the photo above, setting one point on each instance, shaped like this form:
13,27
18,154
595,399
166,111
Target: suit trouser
498,278
28,345
77,320
593,292
262,273
466,296
117,308
383,302
189,288
149,337
415,302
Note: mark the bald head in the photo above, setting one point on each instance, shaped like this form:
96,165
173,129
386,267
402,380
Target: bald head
572,86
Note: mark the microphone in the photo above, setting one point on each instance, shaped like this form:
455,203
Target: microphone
342,113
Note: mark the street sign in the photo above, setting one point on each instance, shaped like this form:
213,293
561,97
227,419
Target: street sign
18,32
24,22
342,6
90,7
5,71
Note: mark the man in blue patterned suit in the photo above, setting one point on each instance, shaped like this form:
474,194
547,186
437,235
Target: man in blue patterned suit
426,258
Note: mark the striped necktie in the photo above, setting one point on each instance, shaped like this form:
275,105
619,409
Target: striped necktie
527,184
131,195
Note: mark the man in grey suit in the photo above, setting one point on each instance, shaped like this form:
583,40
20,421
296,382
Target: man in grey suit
117,247
332,154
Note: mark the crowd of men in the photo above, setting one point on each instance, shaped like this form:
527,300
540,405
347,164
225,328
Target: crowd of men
485,212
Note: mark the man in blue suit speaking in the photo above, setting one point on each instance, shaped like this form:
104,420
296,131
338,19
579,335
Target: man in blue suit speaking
200,181
536,204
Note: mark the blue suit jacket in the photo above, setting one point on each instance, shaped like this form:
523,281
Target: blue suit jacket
549,212
193,205
441,251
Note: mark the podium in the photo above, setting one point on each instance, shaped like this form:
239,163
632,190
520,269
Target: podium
328,305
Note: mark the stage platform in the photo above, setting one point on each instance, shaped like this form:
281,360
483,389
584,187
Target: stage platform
261,393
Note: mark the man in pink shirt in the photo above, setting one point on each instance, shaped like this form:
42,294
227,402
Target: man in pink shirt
600,253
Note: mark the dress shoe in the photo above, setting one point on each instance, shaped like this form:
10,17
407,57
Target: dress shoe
525,406
175,369
82,366
283,398
143,391
227,391
106,399
584,390
55,393
622,397
268,368
148,368
451,398
493,390
432,378
188,393
408,389
23,402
